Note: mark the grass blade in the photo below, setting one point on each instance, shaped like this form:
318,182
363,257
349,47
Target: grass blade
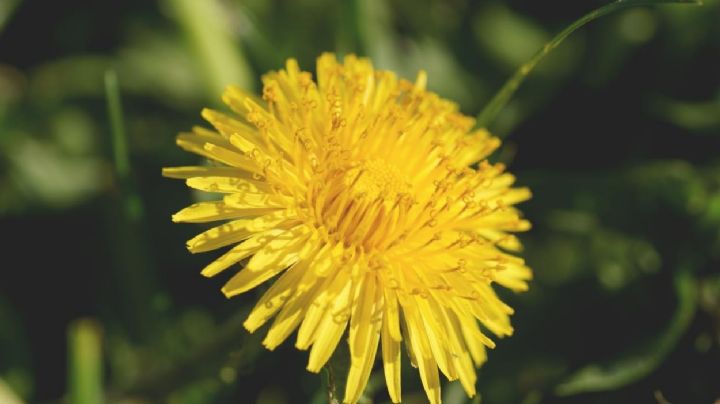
491,110
85,367
132,205
133,268
117,127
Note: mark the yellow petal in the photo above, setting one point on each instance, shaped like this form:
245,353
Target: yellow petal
330,331
331,299
330,288
327,259
418,343
327,66
287,320
458,352
333,324
421,80
220,236
274,299
217,150
474,338
294,310
436,337
364,337
192,143
238,230
273,258
502,239
391,357
217,210
231,158
240,251
209,135
514,276
235,97
228,126
200,136
478,146
507,220
227,185
392,315
516,195
493,313
245,200
204,171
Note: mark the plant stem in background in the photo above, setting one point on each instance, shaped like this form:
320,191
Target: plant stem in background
329,382
85,371
115,113
119,145
496,104
133,270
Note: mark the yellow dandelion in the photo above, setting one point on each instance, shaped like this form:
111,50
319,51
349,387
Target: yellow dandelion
372,202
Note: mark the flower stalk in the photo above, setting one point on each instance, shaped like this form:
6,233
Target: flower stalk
486,117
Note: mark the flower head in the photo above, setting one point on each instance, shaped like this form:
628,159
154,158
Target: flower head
371,201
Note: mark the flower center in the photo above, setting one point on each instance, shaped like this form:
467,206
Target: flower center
362,205
375,178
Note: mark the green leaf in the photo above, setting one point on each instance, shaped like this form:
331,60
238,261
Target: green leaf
491,110
635,366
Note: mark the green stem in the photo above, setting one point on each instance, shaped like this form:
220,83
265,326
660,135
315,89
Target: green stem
121,157
133,269
491,110
115,113
330,385
85,367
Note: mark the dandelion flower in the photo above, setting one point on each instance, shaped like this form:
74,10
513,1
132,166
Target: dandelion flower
372,203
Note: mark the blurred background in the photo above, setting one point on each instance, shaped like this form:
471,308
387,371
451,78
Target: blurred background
617,133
